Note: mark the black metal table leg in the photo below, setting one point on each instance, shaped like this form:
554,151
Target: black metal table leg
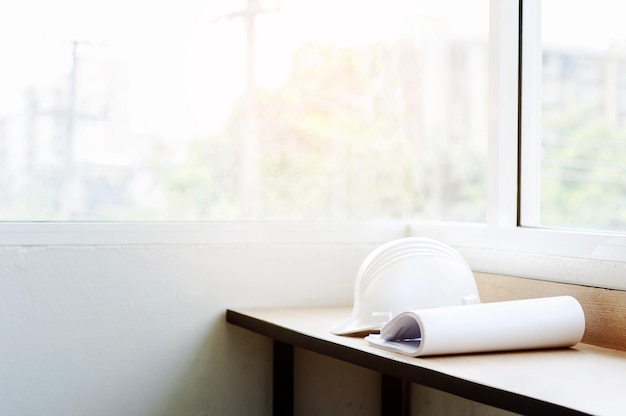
282,379
394,396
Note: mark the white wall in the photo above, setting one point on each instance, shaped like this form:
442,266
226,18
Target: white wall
139,330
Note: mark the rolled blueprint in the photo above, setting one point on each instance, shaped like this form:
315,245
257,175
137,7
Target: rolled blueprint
498,326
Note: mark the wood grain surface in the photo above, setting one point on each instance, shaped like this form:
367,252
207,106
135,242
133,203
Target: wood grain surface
605,309
582,380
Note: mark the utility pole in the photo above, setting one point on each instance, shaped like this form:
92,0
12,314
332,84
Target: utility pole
68,148
71,199
250,158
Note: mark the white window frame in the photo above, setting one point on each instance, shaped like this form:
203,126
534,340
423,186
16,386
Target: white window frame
500,246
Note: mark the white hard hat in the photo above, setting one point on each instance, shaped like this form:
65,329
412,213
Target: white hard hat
407,274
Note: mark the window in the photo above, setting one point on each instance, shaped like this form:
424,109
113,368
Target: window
249,110
574,126
365,111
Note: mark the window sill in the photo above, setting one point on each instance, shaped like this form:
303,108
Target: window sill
583,259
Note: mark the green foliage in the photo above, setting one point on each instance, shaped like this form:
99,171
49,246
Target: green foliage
338,140
583,171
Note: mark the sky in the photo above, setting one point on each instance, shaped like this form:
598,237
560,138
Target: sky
183,63
577,23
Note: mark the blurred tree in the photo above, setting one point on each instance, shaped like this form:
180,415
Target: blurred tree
583,170
339,140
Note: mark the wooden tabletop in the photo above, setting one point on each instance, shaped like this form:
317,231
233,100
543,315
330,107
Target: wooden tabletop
580,380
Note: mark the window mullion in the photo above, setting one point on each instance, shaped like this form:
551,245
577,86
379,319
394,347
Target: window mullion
530,134
503,101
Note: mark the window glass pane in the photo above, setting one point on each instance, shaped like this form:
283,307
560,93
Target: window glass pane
246,110
583,115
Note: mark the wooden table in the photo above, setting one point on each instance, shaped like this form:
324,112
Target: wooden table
572,381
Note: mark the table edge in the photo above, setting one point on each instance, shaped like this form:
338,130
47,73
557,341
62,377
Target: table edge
438,380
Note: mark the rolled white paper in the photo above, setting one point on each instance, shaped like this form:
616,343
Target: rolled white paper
498,326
